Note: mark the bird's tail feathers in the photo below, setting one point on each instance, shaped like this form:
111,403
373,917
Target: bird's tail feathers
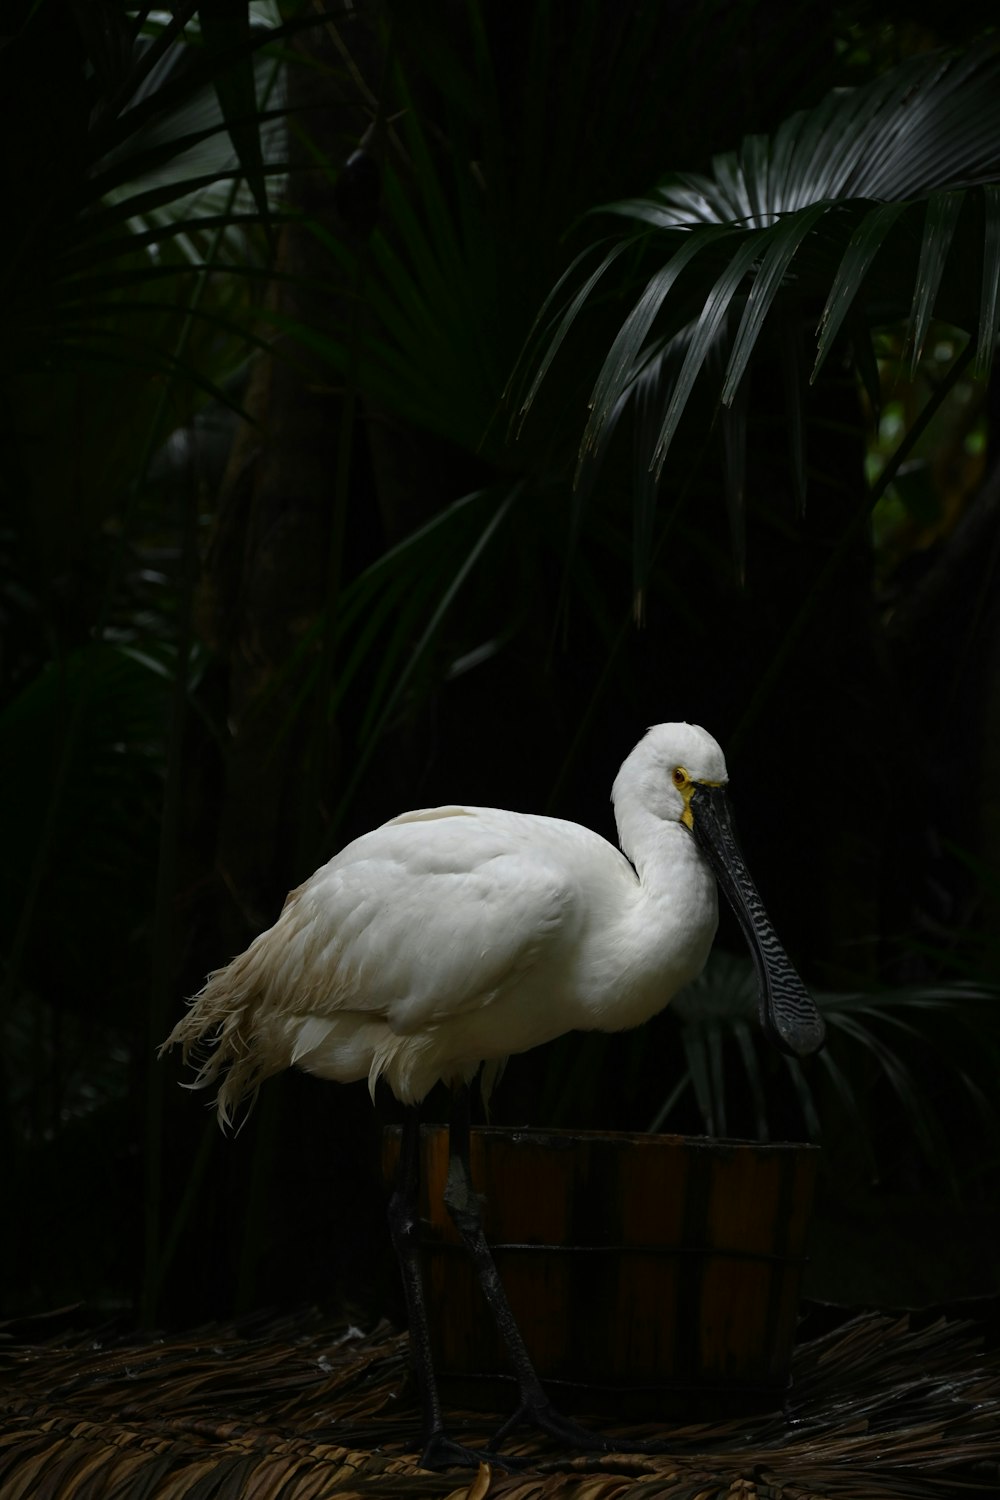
218,1035
489,1077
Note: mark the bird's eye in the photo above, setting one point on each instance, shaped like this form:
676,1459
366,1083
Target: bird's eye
680,776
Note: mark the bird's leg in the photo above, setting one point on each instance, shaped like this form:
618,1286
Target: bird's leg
440,1451
462,1203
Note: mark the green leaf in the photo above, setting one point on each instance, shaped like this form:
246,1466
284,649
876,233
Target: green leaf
863,246
663,1113
755,163
703,334
939,126
699,1069
649,211
845,1090
162,155
416,654
989,310
804,1094
225,30
147,200
751,1067
565,322
899,1076
943,210
776,247
930,125
619,367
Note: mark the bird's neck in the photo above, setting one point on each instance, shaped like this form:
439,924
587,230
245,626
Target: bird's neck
678,891
663,938
664,853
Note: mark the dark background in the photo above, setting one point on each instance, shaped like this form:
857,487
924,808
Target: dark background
228,646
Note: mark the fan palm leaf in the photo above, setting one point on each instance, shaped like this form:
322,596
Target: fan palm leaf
891,1038
876,203
171,154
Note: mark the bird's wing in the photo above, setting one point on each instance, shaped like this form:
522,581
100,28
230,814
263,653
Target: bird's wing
431,915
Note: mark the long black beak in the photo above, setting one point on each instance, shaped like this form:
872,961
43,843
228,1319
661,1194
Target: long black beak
788,1012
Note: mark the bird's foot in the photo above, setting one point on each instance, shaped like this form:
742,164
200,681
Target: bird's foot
547,1418
572,1434
444,1452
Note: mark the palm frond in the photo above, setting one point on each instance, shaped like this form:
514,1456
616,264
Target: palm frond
770,274
225,33
453,545
627,351
862,248
894,1035
989,314
844,203
176,156
561,323
943,210
885,1407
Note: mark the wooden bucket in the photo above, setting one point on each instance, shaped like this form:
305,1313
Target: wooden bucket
650,1275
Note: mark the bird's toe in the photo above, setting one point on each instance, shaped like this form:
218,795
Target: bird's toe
444,1452
547,1418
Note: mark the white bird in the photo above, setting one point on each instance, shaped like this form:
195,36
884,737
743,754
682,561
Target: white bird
451,937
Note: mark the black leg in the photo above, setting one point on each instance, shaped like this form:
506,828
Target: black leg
404,1226
534,1405
440,1451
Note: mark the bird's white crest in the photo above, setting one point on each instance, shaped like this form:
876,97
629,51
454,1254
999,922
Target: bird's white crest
453,936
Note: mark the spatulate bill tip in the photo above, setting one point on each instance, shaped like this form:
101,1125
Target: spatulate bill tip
792,1021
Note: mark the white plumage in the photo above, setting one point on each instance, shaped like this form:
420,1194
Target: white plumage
453,936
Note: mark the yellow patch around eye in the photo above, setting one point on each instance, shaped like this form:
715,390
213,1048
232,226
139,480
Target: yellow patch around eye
687,792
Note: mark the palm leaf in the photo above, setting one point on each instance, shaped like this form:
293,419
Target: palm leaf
406,656
702,336
943,210
863,246
888,1407
751,1067
619,366
951,1026
989,315
562,323
696,1057
784,240
159,190
806,1099
838,203
225,33
174,149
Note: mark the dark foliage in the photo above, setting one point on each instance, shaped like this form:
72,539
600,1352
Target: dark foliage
278,559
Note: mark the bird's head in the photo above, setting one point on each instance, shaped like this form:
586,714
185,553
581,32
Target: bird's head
677,773
665,769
